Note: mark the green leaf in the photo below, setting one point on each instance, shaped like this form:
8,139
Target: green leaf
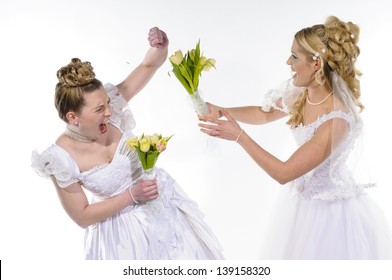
168,138
142,158
187,76
182,80
197,52
189,71
152,157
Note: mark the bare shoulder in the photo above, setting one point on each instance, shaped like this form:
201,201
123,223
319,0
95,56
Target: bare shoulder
63,142
334,129
74,148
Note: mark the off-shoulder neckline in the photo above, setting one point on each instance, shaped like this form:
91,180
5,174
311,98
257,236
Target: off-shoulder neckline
345,115
96,167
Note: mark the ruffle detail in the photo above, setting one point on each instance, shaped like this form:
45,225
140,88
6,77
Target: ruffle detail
53,162
122,116
303,133
281,98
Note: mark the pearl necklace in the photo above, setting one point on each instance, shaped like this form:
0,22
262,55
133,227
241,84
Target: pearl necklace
318,103
77,136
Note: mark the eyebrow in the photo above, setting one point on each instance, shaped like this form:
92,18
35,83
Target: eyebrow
100,106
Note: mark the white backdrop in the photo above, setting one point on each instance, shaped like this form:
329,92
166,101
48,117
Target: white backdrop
250,41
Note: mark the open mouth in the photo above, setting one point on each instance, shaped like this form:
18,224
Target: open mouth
293,74
103,128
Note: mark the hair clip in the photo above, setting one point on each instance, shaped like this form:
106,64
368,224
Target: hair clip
317,54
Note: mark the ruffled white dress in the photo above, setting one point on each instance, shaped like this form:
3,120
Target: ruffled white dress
170,227
327,216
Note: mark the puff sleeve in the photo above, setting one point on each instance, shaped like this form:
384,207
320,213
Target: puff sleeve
281,98
56,162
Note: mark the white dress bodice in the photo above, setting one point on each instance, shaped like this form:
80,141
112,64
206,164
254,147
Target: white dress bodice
332,179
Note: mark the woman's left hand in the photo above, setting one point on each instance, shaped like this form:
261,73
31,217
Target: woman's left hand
157,38
227,129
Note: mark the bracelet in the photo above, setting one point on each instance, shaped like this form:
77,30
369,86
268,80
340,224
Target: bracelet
239,135
134,200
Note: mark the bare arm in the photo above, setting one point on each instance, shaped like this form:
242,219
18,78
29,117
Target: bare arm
75,203
143,73
303,160
246,114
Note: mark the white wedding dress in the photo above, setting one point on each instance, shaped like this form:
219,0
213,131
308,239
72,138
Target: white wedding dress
325,214
170,227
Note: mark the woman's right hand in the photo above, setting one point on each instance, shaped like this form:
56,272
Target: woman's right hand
215,112
144,191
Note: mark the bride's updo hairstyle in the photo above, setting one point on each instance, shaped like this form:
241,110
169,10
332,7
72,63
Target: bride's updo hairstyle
335,44
74,80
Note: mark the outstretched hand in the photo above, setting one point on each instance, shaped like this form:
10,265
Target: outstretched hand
227,129
157,38
214,111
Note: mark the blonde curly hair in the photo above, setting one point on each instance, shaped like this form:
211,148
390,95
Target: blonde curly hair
74,80
335,42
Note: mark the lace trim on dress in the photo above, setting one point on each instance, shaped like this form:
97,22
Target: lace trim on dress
318,122
281,98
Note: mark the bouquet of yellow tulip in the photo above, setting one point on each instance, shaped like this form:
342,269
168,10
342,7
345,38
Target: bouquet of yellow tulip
148,148
188,69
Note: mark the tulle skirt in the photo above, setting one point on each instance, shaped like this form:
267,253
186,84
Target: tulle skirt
170,227
353,228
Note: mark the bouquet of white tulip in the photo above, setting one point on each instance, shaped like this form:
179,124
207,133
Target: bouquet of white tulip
188,69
